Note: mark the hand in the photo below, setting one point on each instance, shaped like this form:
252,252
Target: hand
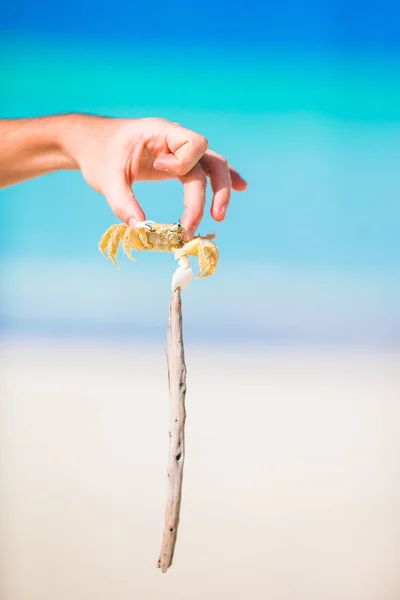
114,153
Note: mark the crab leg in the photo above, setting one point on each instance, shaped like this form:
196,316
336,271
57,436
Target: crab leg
110,242
128,243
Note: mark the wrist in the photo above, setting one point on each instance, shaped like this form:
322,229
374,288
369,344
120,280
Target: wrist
44,140
80,137
64,130
41,144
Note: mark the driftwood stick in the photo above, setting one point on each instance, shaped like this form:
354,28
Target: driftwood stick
177,393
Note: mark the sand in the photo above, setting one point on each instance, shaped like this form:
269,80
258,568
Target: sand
291,487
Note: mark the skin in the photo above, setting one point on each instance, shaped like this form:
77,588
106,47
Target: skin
114,153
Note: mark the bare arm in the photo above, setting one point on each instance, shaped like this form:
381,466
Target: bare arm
114,153
32,147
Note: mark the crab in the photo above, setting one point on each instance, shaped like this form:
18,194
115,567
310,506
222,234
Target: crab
157,237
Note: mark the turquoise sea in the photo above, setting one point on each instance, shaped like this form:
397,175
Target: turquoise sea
311,252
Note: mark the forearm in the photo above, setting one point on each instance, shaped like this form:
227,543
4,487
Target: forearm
33,147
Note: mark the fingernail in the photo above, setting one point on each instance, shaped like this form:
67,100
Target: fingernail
160,166
190,233
132,222
222,213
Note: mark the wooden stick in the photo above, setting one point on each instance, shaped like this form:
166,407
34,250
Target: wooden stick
177,393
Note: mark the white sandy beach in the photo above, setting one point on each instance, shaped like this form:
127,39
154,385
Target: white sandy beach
291,488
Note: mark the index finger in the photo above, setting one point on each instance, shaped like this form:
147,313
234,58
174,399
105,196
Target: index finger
186,148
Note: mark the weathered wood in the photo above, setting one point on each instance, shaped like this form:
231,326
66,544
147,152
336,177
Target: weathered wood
177,393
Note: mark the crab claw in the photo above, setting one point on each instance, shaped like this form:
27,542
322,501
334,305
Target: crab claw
183,274
205,250
143,228
148,225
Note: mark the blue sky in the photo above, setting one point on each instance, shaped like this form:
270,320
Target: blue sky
311,24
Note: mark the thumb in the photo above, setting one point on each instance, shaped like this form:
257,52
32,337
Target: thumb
119,192
123,203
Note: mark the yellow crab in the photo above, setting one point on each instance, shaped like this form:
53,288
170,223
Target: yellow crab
157,237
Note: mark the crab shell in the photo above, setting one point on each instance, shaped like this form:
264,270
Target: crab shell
157,237
161,237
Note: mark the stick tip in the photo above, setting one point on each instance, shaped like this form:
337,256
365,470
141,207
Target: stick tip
162,566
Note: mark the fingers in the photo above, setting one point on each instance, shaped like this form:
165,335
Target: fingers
186,148
216,167
124,204
238,183
194,199
223,178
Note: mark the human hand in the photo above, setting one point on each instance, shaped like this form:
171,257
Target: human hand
114,153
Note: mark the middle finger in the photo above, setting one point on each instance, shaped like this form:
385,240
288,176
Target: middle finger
217,168
194,199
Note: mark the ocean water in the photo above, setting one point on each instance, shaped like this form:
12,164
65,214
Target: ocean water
315,237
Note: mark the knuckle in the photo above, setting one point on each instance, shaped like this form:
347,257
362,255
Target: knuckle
195,174
222,161
183,168
154,123
201,142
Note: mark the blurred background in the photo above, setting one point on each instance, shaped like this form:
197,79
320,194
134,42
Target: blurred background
292,347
